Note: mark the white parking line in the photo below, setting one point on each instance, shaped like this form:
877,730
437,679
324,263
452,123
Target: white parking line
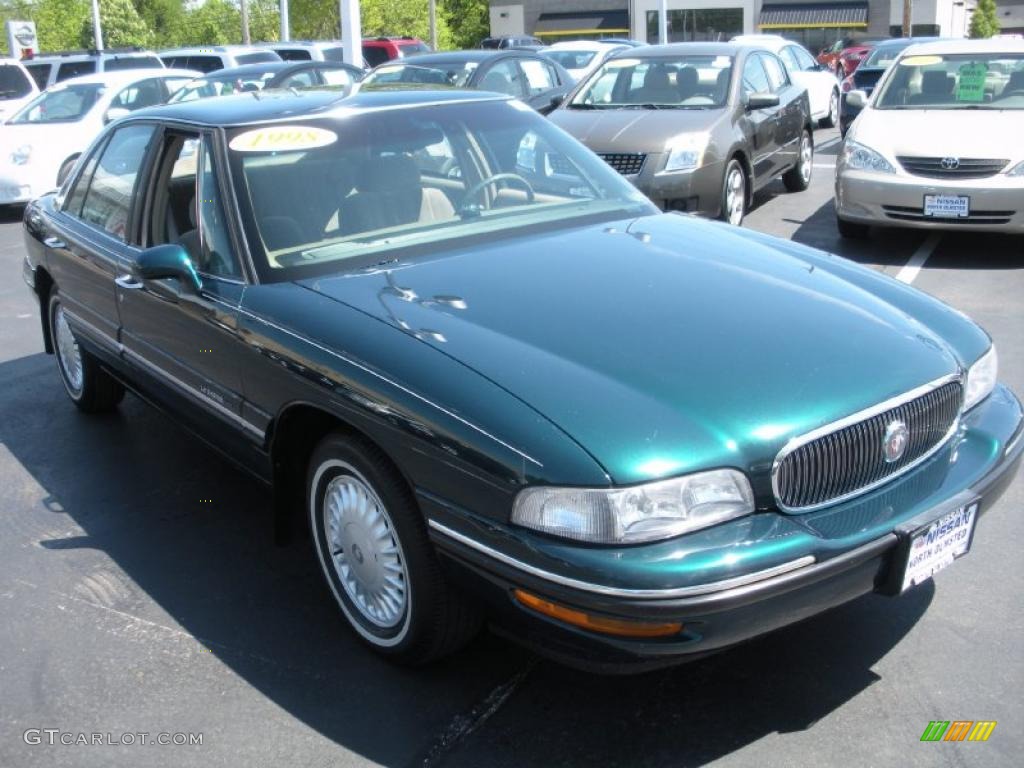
918,258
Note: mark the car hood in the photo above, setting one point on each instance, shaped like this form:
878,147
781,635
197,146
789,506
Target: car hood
632,130
661,345
896,132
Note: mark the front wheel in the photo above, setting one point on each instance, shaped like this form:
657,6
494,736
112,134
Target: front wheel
734,193
829,121
371,542
798,178
90,388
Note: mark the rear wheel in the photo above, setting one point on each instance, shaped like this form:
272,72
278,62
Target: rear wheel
829,121
90,388
372,545
798,178
852,230
734,193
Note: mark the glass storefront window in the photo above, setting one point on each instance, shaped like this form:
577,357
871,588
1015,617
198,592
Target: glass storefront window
700,25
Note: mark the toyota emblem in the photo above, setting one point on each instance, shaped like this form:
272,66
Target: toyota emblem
950,163
894,444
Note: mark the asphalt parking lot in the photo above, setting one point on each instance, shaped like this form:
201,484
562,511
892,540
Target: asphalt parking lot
141,592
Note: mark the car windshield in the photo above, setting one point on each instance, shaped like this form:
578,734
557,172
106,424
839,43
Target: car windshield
451,73
955,81
60,104
205,87
350,187
571,59
677,82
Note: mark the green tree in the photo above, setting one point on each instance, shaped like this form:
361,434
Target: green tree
318,20
58,22
984,21
121,24
164,18
468,20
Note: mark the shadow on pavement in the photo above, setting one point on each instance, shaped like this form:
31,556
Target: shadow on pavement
11,213
133,484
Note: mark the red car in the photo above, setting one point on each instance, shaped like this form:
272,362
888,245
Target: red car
851,58
377,50
845,54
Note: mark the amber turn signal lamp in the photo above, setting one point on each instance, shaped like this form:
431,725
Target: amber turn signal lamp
601,624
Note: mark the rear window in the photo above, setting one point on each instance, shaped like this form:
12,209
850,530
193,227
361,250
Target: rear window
13,83
75,69
117,63
294,54
40,73
203,63
375,55
411,49
257,58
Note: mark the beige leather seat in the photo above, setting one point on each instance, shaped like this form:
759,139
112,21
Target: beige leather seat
390,193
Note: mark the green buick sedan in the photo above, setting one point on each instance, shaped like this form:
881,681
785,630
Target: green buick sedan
498,385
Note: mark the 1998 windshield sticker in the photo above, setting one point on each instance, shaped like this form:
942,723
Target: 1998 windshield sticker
281,138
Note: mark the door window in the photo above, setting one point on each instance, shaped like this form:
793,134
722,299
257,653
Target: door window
304,79
788,57
503,77
217,255
145,93
805,61
538,77
107,200
336,76
754,78
75,69
776,72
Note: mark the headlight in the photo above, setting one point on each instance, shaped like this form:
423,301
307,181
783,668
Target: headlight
981,378
648,512
860,158
686,152
1017,170
21,155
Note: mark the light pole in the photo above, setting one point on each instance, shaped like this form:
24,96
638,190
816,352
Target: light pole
285,33
662,21
351,35
246,40
97,32
432,11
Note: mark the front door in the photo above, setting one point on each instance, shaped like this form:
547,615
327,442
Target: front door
759,125
185,340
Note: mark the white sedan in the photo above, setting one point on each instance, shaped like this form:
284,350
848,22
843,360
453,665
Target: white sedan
581,57
821,83
17,87
40,143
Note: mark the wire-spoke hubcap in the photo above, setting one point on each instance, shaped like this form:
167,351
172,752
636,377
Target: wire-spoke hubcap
735,196
365,551
68,353
806,158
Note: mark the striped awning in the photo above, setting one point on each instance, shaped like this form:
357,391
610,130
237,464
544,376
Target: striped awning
583,23
811,15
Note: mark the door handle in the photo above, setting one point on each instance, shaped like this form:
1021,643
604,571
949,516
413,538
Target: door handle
54,242
128,282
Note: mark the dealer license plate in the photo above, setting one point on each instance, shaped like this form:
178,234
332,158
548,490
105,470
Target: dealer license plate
947,206
936,545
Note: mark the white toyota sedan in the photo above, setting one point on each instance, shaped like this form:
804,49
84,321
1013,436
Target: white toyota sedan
939,143
40,143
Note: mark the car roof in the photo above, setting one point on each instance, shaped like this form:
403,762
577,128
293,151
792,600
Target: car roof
684,49
125,76
301,44
1000,45
49,58
269,106
583,45
244,70
771,42
229,49
473,54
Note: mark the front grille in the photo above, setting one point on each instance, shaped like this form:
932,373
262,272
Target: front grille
966,167
907,213
849,459
626,163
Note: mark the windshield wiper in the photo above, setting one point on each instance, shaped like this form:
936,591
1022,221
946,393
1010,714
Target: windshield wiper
574,105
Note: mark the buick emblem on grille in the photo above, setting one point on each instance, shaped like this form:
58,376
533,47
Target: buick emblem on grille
950,163
894,443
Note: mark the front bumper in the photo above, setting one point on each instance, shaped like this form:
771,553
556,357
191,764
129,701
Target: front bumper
696,191
897,199
734,581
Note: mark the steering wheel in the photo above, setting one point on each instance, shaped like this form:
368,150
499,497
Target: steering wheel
497,178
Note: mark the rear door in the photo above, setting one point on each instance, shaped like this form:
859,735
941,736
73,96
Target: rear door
87,239
790,114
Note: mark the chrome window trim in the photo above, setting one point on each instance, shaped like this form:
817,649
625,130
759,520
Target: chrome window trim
643,594
846,421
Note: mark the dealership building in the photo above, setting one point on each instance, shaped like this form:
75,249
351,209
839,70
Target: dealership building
812,22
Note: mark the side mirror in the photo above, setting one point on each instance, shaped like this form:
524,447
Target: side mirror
115,113
857,99
169,260
762,100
